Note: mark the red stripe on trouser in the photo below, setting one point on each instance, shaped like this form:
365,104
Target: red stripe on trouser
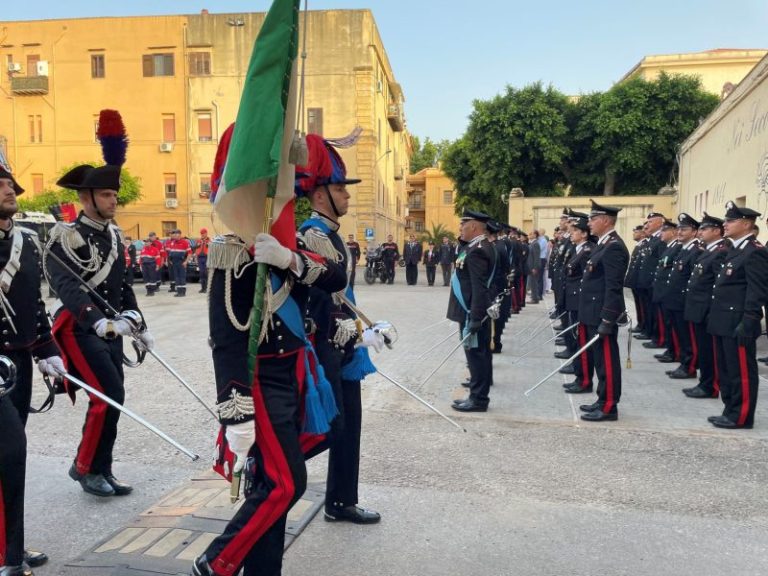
585,375
675,344
744,375
2,527
694,350
608,362
716,375
276,504
97,409
661,328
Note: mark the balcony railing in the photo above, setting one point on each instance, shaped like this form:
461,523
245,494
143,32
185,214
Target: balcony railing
29,85
395,117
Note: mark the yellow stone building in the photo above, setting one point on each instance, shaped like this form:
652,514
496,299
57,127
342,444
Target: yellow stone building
720,69
431,199
177,82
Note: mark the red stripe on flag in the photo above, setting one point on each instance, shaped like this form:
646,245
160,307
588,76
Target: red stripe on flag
744,375
609,392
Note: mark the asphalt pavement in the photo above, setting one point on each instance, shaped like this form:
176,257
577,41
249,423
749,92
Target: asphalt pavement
528,489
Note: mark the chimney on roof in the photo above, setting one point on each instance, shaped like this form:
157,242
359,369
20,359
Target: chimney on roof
204,11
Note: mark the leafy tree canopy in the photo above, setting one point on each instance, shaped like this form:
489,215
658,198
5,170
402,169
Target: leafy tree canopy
427,154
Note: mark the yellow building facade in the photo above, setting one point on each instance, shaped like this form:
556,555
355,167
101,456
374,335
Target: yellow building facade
177,82
720,70
431,199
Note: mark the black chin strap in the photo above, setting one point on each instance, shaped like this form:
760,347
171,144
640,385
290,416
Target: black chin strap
95,206
330,199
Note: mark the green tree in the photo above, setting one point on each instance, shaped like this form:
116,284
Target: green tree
627,138
130,191
426,155
301,210
436,234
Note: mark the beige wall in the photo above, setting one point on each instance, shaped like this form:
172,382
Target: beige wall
431,184
715,68
348,75
726,158
538,213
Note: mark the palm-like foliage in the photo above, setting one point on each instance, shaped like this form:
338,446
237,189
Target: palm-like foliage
437,233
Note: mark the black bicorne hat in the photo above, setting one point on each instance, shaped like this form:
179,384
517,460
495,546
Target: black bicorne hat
86,177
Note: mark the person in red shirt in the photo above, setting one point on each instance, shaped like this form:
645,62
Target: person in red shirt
151,260
178,251
202,259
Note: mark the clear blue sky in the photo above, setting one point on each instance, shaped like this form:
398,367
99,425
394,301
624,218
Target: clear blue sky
445,54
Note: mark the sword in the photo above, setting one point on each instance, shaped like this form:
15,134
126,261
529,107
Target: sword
571,327
420,399
461,343
571,359
341,296
538,330
128,412
135,335
451,335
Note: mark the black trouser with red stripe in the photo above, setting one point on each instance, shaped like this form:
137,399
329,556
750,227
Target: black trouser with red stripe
21,395
709,373
571,337
670,327
608,368
639,309
13,459
584,365
686,337
480,363
738,379
255,536
648,324
98,363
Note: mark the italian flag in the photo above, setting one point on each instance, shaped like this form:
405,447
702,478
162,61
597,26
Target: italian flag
256,162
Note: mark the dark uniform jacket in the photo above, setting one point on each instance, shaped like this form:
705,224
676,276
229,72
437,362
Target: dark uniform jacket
27,326
412,252
95,243
432,260
557,266
516,258
740,291
502,267
573,272
679,275
233,284
533,258
649,261
389,251
558,281
602,285
354,251
635,262
663,270
474,269
447,253
524,250
702,280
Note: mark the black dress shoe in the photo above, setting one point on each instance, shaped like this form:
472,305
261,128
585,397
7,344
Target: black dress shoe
697,392
600,416
590,407
577,389
652,345
470,406
465,383
354,514
664,358
15,571
460,400
763,359
563,354
200,567
120,488
567,369
711,419
723,422
642,336
636,330
681,374
94,484
33,558
560,341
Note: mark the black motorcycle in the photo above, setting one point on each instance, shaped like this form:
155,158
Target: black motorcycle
374,267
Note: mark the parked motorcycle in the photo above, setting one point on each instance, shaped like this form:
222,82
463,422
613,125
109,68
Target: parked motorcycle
374,267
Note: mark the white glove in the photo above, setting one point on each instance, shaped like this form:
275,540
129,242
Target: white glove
121,326
345,330
372,339
269,251
146,340
52,366
240,438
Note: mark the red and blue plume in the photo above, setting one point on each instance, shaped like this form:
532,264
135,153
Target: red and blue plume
319,167
112,137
